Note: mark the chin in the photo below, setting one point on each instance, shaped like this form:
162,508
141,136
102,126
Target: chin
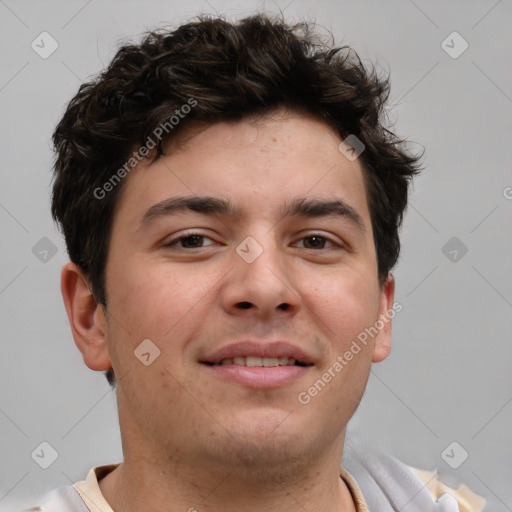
266,461
272,442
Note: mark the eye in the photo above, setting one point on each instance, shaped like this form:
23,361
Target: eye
190,241
198,241
316,241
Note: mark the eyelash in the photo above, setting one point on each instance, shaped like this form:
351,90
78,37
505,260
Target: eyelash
176,241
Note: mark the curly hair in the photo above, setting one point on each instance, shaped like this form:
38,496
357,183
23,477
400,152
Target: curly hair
231,71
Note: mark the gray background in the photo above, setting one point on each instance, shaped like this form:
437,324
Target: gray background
448,377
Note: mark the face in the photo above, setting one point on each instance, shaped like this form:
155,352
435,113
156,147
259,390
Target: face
249,244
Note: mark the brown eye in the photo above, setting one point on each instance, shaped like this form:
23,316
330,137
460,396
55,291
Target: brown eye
316,242
192,241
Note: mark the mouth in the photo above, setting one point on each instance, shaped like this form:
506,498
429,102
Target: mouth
259,365
256,362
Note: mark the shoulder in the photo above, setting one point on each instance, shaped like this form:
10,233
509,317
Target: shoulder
82,496
63,498
467,500
388,484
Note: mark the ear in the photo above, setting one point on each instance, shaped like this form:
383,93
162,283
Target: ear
86,318
382,341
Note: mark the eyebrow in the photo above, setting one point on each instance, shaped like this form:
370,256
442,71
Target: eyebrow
207,205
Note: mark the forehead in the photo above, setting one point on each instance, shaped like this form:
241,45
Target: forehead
258,164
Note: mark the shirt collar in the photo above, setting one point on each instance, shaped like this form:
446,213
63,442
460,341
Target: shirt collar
90,492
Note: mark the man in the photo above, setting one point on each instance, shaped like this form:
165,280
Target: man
231,202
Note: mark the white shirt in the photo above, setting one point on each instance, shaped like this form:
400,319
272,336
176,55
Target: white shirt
377,482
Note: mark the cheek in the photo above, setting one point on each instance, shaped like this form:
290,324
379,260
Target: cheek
148,301
345,303
155,299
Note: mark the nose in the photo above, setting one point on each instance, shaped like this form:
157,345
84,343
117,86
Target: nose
262,287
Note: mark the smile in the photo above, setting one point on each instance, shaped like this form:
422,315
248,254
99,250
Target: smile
253,361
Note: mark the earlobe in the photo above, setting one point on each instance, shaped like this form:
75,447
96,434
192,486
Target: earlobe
382,342
86,318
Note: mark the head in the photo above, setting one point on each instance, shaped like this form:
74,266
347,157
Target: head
243,122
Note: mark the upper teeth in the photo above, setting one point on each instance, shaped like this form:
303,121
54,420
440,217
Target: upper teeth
259,361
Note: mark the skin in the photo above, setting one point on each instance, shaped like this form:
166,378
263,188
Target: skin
190,438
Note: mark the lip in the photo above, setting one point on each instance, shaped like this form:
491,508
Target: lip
258,349
259,377
262,377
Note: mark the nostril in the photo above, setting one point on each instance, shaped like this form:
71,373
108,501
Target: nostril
246,305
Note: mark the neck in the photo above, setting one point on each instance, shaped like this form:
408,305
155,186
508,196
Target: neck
146,483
